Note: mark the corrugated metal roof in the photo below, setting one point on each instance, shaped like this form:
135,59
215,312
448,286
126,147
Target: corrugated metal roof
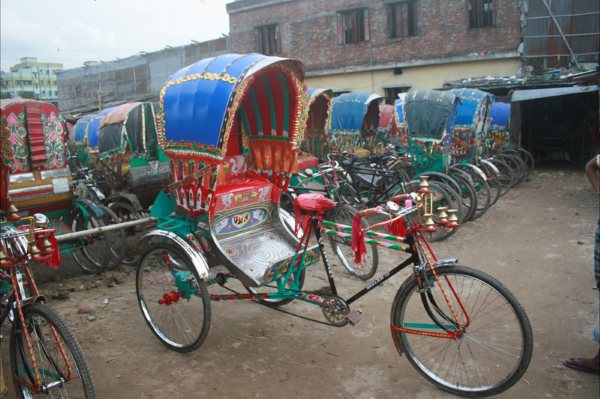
524,95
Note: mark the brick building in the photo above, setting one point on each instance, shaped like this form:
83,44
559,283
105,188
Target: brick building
383,46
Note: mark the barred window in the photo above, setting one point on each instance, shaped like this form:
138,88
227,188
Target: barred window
402,19
267,39
481,13
353,26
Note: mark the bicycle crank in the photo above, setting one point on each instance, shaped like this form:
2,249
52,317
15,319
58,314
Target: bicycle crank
337,312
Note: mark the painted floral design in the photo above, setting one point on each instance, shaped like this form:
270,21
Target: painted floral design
52,126
15,151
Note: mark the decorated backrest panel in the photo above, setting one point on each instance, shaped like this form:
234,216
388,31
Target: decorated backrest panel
33,136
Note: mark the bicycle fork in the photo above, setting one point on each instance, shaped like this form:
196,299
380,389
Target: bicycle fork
427,279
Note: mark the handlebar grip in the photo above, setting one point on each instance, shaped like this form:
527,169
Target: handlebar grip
401,197
369,212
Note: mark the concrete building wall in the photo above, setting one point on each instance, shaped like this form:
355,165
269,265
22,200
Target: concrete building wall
415,78
98,85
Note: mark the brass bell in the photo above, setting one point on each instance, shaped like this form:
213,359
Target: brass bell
34,251
14,212
47,245
452,219
3,256
429,223
423,185
442,215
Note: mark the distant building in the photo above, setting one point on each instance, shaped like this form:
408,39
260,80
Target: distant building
98,85
382,46
31,79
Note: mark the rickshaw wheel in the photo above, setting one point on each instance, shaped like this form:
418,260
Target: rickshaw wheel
126,213
173,299
93,253
115,238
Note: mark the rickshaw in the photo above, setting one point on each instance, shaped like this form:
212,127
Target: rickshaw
354,122
470,124
34,151
429,119
400,134
387,127
130,160
222,200
86,137
319,122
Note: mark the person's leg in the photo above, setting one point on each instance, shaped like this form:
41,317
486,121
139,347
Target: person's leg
590,365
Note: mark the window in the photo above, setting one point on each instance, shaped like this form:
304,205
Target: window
402,19
481,13
267,39
353,26
391,93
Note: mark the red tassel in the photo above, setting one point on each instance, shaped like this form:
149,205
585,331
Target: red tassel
397,227
358,239
54,260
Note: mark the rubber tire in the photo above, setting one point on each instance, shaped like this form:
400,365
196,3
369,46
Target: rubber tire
80,255
70,344
340,215
203,297
410,287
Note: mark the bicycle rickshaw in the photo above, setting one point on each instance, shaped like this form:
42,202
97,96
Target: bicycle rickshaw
498,133
86,135
34,150
400,134
354,122
130,160
316,141
226,175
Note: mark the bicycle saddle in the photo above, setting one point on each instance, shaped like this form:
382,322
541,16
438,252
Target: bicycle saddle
317,203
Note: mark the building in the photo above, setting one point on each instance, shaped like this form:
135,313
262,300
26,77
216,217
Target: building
383,46
98,85
31,79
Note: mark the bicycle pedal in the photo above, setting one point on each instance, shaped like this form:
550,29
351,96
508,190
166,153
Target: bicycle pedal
354,316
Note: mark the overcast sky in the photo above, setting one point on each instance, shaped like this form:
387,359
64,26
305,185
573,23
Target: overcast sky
75,31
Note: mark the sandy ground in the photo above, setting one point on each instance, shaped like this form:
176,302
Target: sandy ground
537,240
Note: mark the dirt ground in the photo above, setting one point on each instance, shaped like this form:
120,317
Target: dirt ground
538,240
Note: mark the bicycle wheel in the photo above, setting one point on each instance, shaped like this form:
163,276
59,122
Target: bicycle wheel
126,213
115,238
348,195
507,176
93,253
495,347
493,179
173,299
58,359
467,193
482,188
516,163
340,246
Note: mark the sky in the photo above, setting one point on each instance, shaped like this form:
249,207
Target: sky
75,31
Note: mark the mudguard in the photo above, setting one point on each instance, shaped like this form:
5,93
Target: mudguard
195,258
